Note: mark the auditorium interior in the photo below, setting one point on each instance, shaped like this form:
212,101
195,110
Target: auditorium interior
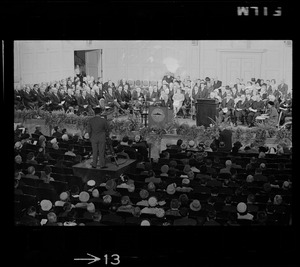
199,133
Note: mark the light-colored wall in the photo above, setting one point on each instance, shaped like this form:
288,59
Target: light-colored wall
38,61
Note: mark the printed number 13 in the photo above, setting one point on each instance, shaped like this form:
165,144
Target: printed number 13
116,259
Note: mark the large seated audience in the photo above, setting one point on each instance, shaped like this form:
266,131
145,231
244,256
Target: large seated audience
240,102
189,184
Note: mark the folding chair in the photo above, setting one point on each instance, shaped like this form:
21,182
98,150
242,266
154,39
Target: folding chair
27,201
29,190
57,170
58,177
69,158
59,186
74,180
45,193
31,182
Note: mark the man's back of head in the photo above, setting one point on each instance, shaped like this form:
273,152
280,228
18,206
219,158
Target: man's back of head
97,111
31,170
179,142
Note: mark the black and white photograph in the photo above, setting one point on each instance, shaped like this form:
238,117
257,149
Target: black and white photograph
163,133
167,114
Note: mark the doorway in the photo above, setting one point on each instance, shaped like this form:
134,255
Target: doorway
90,62
240,65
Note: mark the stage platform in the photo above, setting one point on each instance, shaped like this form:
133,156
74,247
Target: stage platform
86,172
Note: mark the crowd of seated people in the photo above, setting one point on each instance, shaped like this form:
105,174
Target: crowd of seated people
241,102
190,184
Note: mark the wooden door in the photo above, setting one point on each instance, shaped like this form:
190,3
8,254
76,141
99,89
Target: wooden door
92,65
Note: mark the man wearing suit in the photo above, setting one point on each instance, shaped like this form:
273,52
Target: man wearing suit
126,94
240,110
34,94
227,106
93,100
255,109
283,88
83,102
98,131
27,98
55,100
42,98
216,84
70,100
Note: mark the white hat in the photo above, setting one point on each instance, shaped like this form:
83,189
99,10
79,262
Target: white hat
70,224
18,144
95,193
228,162
131,188
191,143
145,223
152,201
241,207
63,196
171,189
65,137
91,207
249,178
286,184
86,136
91,183
160,213
277,199
262,165
195,205
84,196
107,199
185,181
53,141
46,205
183,146
144,194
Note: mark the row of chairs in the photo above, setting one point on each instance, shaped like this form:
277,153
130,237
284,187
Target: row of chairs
60,180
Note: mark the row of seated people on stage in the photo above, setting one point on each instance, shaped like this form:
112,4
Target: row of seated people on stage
181,96
189,187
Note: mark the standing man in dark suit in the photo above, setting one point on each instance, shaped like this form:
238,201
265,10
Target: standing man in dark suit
98,132
217,84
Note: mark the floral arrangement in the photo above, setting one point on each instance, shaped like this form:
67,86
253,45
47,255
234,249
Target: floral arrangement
132,126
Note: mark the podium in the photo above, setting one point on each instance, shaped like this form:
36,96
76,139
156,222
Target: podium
206,108
159,116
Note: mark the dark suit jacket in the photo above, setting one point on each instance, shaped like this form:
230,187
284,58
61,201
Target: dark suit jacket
126,96
135,95
93,101
82,101
27,98
55,99
70,101
42,98
97,127
34,95
118,96
217,84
